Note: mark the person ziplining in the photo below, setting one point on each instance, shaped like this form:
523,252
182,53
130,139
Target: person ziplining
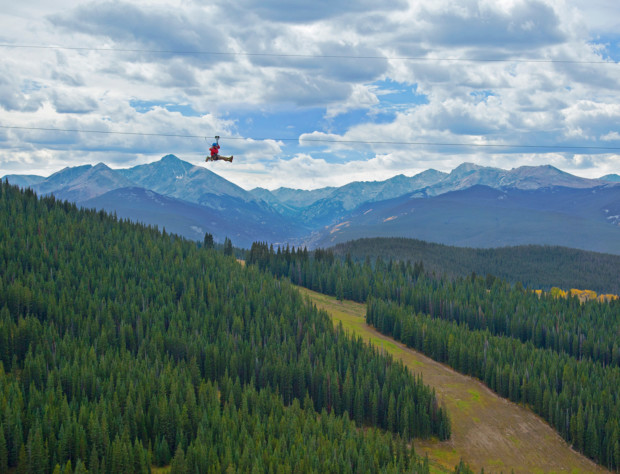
215,156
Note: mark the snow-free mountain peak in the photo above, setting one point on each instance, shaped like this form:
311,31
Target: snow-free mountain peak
467,167
61,178
534,177
174,177
94,181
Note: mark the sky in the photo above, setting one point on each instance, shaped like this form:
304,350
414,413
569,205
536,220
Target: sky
311,94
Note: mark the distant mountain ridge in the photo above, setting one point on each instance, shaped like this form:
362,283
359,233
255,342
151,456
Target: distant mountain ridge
191,200
23,180
172,194
235,219
435,182
484,217
326,203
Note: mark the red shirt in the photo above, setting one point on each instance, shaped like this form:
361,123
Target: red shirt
214,150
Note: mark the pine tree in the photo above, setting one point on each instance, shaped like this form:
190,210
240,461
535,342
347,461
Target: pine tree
179,465
4,453
208,241
391,414
228,248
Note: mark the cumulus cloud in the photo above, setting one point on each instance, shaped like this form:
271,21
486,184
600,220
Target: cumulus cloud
155,27
304,12
519,26
17,93
66,102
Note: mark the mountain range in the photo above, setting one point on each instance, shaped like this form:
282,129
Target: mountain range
472,206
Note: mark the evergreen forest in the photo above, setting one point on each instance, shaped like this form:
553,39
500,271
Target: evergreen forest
534,266
123,348
558,356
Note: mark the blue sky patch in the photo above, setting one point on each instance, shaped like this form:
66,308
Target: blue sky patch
398,95
144,106
481,95
343,122
612,47
279,123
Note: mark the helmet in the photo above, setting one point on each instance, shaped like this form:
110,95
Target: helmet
215,144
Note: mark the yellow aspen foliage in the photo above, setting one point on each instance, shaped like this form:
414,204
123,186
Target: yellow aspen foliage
583,295
557,293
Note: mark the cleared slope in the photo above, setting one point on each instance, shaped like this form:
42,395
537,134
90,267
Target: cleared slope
487,431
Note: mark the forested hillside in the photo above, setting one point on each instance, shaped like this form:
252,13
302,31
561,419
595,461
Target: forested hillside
534,266
122,348
556,355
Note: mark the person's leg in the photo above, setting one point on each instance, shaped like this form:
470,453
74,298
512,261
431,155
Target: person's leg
220,157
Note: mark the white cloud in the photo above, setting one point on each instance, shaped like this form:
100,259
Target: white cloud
611,136
317,66
361,97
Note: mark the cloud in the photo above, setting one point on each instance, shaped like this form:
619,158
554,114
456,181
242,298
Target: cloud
156,27
521,26
361,97
317,172
304,12
333,69
17,94
590,120
66,102
611,136
329,59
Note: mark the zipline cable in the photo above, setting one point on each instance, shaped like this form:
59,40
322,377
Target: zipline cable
307,56
320,140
